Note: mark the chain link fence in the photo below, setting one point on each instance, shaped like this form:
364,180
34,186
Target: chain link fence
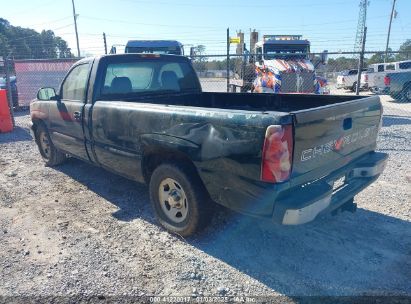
314,73
307,73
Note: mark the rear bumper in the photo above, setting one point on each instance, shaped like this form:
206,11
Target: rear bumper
303,204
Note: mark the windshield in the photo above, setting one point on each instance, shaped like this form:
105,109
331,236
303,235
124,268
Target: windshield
171,50
273,51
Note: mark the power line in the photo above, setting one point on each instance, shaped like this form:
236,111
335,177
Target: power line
232,6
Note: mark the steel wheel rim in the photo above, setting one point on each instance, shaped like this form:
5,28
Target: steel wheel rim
45,144
173,200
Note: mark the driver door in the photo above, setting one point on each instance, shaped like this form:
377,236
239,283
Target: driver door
66,114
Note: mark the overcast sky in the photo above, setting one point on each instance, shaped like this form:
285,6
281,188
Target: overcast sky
327,24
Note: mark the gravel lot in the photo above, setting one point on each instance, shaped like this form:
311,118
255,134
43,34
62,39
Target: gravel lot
77,229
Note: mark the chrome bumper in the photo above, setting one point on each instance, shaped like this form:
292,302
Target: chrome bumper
356,179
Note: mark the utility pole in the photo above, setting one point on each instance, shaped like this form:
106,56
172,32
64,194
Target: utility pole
105,43
361,63
75,27
389,31
228,59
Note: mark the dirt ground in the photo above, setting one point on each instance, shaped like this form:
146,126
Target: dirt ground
79,230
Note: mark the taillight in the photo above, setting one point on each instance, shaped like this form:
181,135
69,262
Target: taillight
277,154
366,77
343,79
387,80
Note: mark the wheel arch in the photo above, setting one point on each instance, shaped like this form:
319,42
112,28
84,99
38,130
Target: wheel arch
37,122
153,156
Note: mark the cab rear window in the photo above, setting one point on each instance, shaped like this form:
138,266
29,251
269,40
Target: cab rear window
149,76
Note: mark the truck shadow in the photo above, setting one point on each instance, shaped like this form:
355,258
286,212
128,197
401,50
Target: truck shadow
130,197
367,252
391,120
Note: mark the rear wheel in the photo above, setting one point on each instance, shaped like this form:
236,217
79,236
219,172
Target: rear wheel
48,151
179,199
354,87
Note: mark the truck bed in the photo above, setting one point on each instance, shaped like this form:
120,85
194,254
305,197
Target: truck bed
246,101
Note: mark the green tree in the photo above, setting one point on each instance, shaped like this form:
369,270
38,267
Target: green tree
342,63
380,57
27,43
405,47
199,63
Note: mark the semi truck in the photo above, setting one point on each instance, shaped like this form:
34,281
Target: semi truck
281,64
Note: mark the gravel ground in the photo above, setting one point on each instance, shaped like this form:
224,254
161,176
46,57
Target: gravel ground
77,229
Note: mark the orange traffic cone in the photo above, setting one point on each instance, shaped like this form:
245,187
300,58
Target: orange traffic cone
6,124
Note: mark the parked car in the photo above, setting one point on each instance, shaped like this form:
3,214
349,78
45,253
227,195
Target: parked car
398,85
285,157
348,79
377,72
14,92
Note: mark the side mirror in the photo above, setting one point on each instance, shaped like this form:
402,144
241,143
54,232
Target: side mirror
46,94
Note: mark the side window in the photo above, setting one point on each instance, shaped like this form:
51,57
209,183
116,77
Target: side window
352,72
74,86
405,65
390,67
381,68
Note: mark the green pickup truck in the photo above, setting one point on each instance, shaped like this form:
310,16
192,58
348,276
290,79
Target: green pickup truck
284,157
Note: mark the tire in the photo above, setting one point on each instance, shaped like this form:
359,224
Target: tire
49,153
354,87
179,199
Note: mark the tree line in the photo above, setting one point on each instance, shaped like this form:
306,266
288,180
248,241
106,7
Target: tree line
26,43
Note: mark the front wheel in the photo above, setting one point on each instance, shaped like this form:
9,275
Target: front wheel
179,199
49,153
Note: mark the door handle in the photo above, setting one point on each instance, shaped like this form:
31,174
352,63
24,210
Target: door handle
77,115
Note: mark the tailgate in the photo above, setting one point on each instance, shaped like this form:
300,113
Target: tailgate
327,138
